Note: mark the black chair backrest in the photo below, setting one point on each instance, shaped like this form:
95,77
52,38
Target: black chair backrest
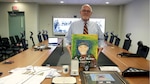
127,44
143,51
44,36
5,42
0,41
106,38
24,43
111,39
39,37
17,38
117,41
12,40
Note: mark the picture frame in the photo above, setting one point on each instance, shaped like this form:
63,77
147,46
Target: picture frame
85,49
102,77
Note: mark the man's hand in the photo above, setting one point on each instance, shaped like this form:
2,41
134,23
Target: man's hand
99,50
69,50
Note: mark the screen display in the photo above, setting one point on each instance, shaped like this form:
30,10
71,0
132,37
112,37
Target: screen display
52,40
61,25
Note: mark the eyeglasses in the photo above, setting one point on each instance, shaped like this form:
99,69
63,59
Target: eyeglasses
88,11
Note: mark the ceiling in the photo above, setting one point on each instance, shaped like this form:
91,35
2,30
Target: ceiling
75,2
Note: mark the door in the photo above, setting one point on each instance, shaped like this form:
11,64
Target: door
16,23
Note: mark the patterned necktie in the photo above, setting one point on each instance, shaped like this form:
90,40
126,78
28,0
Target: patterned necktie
85,31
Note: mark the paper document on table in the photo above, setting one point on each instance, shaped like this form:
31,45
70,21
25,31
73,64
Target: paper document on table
109,68
27,75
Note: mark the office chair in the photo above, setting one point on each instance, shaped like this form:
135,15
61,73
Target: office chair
14,45
6,47
45,35
0,41
111,38
24,41
39,37
106,36
127,42
31,37
142,50
17,39
117,41
1,55
12,40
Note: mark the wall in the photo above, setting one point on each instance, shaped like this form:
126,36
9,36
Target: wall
47,12
39,17
31,19
136,21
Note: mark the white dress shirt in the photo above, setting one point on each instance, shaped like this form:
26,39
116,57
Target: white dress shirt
77,28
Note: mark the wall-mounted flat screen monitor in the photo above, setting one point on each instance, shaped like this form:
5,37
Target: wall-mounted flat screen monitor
61,25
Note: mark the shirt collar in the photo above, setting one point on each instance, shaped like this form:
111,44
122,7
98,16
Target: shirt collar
86,22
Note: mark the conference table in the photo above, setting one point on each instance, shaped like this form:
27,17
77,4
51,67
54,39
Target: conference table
30,56
37,58
112,51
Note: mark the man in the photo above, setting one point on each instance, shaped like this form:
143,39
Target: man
78,26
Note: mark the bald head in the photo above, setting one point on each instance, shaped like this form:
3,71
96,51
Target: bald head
85,12
86,5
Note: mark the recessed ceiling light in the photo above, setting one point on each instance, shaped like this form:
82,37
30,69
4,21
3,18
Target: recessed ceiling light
16,1
61,1
107,2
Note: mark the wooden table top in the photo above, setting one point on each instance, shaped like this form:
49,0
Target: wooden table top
123,63
36,58
26,58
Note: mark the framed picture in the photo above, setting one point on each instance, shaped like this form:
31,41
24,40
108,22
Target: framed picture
85,48
102,77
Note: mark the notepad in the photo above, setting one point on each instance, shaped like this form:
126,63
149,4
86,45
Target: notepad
64,80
